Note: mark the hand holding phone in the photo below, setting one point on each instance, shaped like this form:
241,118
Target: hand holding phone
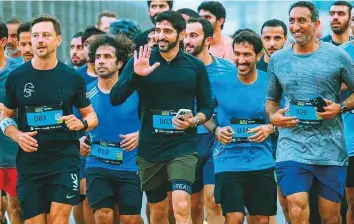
319,103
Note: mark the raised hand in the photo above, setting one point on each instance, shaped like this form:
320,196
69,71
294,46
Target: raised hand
141,62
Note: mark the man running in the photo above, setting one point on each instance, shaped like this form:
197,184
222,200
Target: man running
111,166
199,35
24,41
311,141
8,148
167,81
339,21
44,92
215,12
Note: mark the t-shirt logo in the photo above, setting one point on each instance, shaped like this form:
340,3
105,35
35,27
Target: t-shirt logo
29,88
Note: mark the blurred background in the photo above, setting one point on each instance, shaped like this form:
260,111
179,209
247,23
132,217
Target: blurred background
77,15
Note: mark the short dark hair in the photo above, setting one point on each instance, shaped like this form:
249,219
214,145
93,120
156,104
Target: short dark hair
343,3
24,27
207,27
169,2
89,31
175,18
14,20
105,13
126,26
3,31
121,43
241,30
78,34
189,12
215,8
310,6
47,18
275,23
249,37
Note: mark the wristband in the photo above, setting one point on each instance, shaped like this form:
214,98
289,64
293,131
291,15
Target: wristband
84,122
214,129
7,122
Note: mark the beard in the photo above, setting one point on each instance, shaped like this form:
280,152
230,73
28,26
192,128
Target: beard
341,29
107,75
197,49
79,63
169,45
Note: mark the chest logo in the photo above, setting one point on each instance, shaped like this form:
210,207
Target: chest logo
29,88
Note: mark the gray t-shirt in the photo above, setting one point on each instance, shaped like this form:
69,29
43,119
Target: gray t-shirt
304,77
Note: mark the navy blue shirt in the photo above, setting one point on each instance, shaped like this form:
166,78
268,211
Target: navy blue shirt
172,86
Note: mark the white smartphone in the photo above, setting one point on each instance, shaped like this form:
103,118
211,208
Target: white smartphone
184,112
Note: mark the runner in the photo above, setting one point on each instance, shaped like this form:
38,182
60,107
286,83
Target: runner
77,51
105,18
24,41
216,14
87,71
12,43
242,131
167,144
197,42
339,21
112,177
311,142
44,91
8,149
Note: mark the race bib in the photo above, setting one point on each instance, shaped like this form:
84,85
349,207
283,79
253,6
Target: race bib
108,152
44,118
305,113
241,127
162,122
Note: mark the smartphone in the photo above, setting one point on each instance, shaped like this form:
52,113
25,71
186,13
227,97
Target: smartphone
184,112
319,103
88,140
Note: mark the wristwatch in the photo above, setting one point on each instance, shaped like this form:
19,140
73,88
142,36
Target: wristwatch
344,108
196,121
84,122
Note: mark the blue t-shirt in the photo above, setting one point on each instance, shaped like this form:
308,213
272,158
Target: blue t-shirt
8,148
18,60
348,118
219,67
83,72
236,100
113,121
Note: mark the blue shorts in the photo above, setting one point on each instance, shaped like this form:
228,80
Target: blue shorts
294,177
204,173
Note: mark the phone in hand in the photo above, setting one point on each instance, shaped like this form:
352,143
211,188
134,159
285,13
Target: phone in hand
184,112
88,140
319,103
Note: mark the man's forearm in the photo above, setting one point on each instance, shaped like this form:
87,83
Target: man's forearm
349,102
201,117
92,120
11,131
271,107
209,125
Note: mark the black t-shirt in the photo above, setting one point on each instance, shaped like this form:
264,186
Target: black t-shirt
40,97
173,85
141,39
262,65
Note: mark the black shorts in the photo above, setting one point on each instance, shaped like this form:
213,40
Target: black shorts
350,173
255,190
35,197
106,187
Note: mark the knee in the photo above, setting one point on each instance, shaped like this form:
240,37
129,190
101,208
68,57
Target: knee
296,206
233,218
104,215
210,203
332,217
131,219
260,220
158,210
197,205
181,207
